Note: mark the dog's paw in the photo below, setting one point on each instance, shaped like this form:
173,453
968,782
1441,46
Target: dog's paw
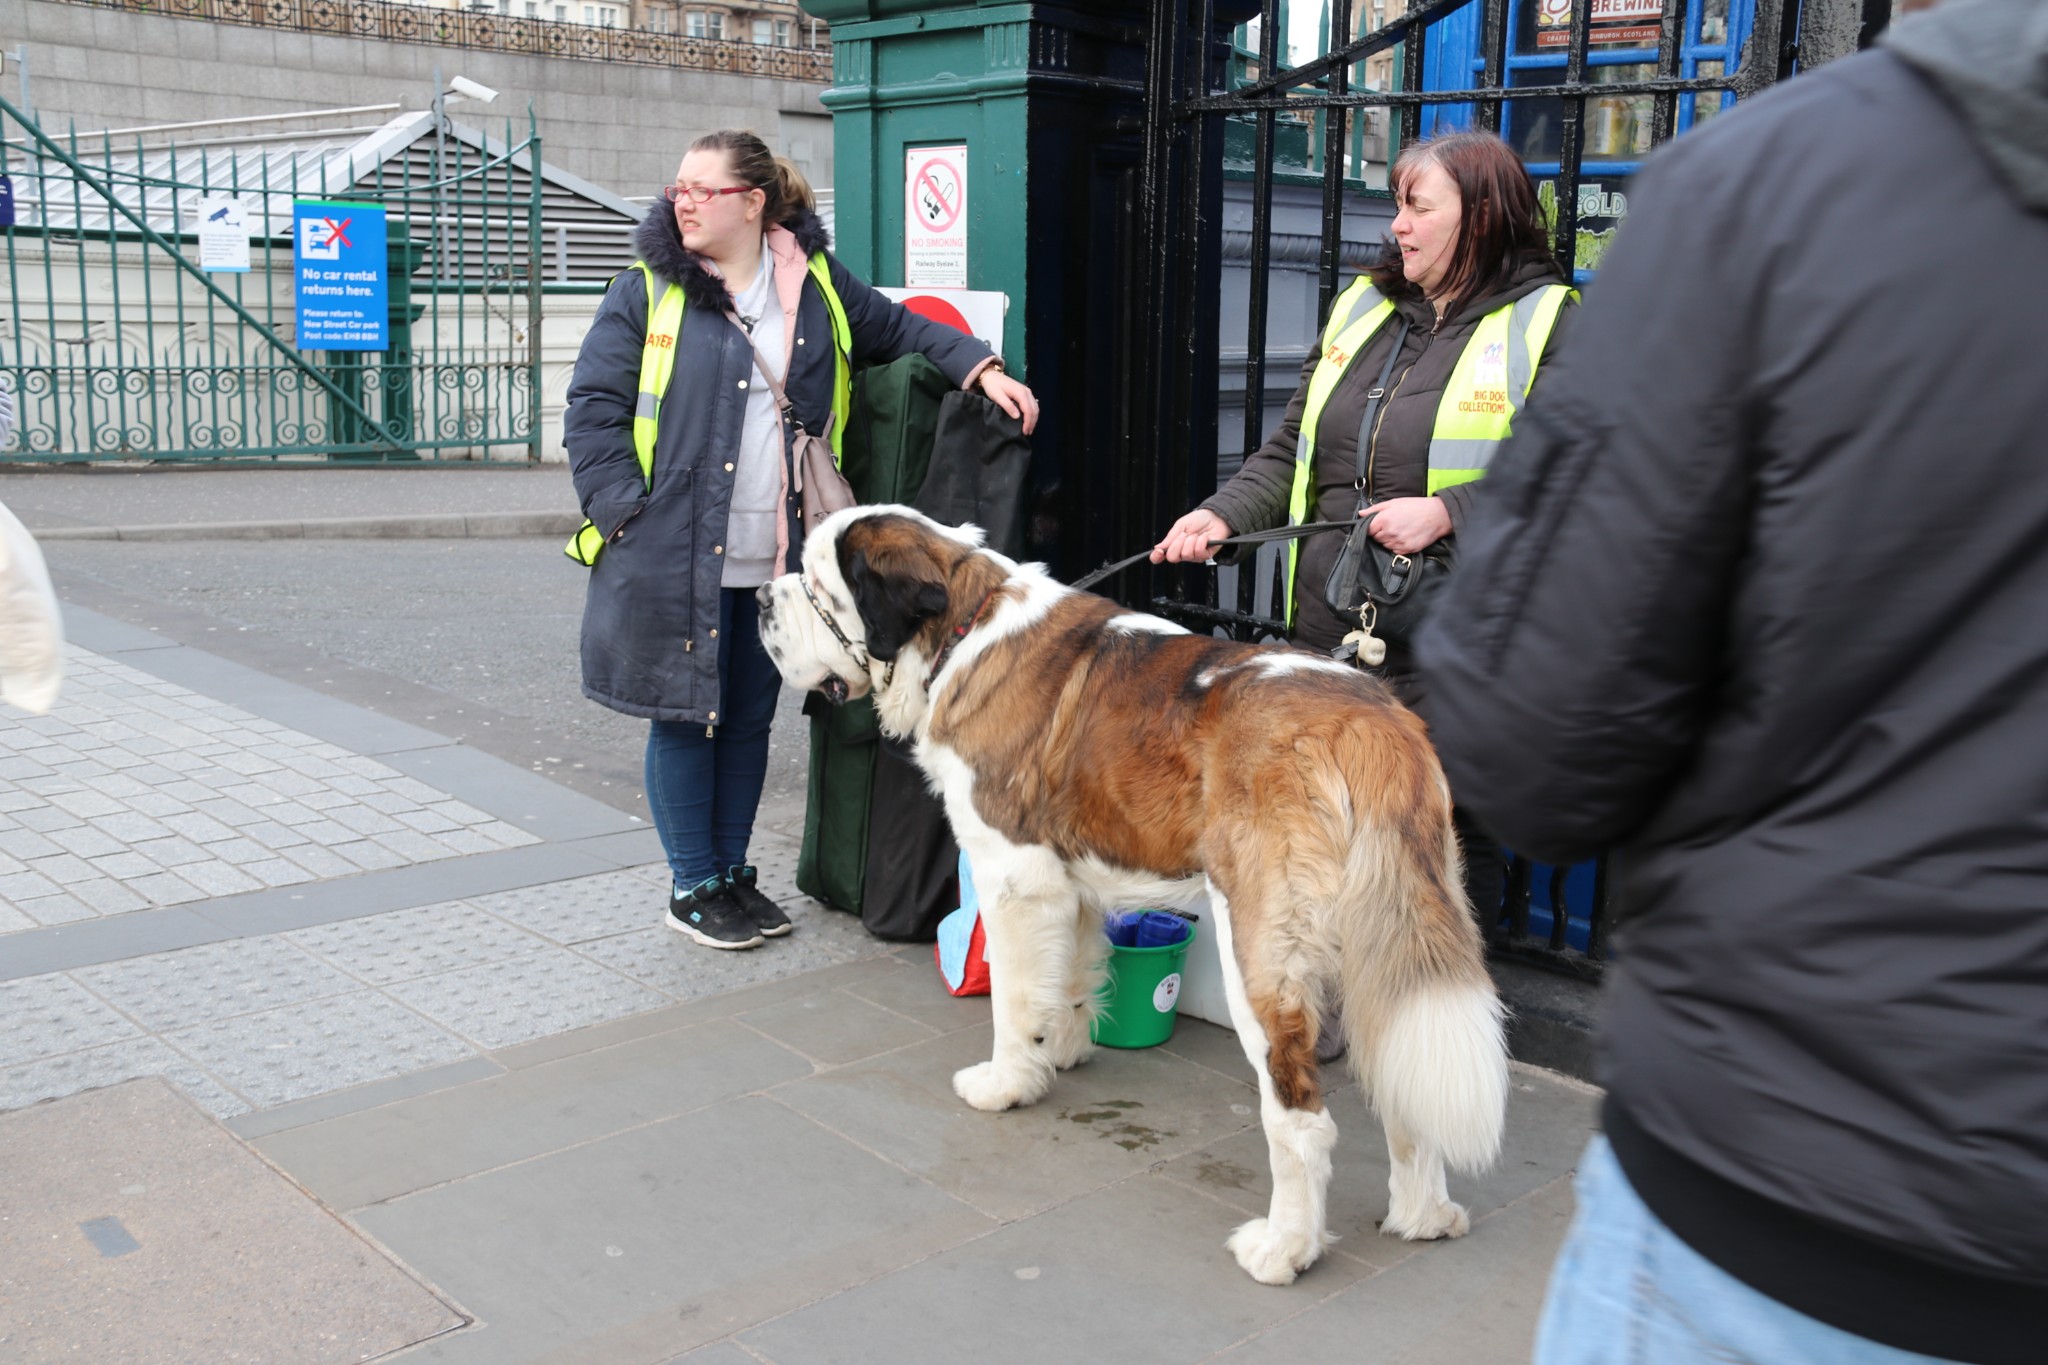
1080,1055
1428,1223
1271,1255
991,1089
1068,1044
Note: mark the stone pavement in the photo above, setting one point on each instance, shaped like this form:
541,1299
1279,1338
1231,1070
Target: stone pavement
139,792
267,894
425,1025
288,500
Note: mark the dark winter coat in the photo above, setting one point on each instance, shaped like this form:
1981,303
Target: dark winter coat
651,614
1759,594
1257,497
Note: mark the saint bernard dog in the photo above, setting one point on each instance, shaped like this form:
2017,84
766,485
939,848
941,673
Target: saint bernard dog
1093,758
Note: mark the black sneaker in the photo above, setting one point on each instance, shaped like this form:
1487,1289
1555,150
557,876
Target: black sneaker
708,913
766,914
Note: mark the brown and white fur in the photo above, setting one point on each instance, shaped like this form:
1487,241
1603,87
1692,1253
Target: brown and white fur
1091,758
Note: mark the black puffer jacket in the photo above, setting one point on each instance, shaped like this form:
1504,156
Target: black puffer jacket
1257,497
1759,594
649,647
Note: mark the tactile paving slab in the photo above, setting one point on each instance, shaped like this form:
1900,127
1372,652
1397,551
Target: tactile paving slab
56,1077
583,909
286,1054
42,1016
424,941
166,991
670,962
516,1001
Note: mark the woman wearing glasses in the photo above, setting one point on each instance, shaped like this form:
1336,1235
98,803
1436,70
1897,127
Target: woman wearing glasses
681,458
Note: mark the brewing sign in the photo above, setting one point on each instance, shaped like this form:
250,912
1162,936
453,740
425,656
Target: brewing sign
935,217
1630,22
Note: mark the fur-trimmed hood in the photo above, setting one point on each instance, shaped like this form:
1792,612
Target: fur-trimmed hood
659,242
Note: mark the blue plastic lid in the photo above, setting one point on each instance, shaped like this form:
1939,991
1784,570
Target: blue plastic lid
1158,929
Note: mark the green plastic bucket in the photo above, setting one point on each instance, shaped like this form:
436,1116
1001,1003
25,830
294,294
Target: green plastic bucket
1139,996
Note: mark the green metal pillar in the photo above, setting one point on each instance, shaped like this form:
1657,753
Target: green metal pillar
1048,99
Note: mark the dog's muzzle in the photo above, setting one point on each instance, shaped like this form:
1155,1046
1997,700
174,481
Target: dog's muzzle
835,688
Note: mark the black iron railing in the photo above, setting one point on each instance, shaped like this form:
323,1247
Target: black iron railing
1200,83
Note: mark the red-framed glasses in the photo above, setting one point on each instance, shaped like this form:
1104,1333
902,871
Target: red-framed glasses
699,194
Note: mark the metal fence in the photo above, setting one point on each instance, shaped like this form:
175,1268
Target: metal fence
531,36
118,345
1676,62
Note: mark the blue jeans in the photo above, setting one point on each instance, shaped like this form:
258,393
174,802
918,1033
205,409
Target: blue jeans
1626,1291
704,787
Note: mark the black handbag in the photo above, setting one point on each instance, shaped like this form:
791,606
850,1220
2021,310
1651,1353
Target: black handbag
1386,593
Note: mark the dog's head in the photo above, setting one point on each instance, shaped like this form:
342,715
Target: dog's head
868,603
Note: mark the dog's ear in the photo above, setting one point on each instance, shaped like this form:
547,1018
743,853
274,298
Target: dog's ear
892,605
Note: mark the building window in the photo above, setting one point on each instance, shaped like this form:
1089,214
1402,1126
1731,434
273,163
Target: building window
764,32
714,25
693,23
1614,129
561,14
782,33
533,9
601,16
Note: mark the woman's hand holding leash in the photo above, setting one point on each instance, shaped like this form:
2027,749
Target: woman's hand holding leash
1189,540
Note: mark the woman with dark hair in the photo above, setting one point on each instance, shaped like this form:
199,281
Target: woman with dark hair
735,328
1422,363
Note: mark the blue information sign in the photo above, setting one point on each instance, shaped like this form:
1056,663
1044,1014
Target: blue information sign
6,202
339,267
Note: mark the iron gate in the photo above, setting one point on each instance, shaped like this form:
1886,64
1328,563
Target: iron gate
1205,90
119,345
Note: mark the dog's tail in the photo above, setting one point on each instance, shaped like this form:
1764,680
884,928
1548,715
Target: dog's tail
1421,1016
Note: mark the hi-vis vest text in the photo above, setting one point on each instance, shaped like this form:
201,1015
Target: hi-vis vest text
1486,388
658,366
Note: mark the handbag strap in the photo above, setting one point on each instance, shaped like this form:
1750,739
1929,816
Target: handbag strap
1363,528
1373,397
782,403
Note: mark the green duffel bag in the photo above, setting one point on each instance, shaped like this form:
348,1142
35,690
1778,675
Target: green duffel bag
888,448
832,866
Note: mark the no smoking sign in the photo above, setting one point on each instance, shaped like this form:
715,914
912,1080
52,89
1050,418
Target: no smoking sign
937,191
935,217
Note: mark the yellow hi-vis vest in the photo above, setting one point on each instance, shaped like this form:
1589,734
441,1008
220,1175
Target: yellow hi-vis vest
658,366
1486,388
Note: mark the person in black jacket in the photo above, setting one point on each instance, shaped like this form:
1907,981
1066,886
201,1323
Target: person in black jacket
1757,599
1468,245
694,507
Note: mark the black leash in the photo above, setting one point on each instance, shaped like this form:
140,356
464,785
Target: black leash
1248,538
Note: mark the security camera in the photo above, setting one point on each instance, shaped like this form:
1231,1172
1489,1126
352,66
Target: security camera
470,90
